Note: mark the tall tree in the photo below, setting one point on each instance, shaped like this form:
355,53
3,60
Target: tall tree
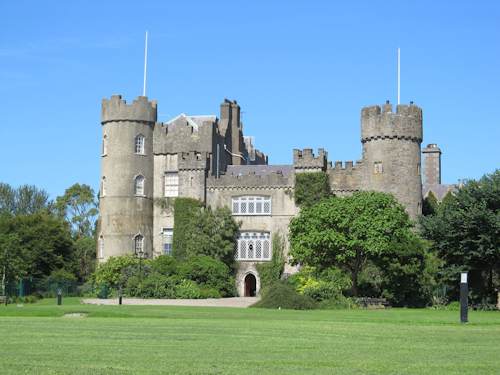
310,188
465,232
347,232
79,206
24,200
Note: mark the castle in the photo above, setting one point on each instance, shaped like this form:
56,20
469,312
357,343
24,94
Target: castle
209,158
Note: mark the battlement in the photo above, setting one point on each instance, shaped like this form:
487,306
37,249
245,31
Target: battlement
252,180
193,160
431,148
345,165
380,122
305,159
117,109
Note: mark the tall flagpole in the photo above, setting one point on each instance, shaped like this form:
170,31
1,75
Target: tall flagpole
399,75
145,65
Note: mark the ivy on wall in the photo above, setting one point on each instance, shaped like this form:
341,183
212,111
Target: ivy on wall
185,212
310,188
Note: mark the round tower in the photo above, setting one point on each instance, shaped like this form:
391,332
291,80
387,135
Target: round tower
391,153
126,194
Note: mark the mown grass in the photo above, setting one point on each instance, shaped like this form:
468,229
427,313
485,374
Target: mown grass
38,339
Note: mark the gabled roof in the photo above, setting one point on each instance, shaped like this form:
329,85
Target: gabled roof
194,121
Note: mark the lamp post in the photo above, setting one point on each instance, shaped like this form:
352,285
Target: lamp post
140,254
464,298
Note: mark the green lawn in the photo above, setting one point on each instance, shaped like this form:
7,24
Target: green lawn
38,339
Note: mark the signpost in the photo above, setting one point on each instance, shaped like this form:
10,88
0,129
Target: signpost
464,298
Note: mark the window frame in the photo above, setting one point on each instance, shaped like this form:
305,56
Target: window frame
246,205
141,150
167,232
171,189
253,246
139,244
139,181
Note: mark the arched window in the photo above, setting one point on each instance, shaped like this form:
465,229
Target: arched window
139,185
139,144
101,247
104,144
103,186
139,245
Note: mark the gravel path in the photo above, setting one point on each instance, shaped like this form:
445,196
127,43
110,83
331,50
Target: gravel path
211,302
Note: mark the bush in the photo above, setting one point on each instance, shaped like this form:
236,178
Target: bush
111,272
165,265
208,273
154,285
338,302
272,271
329,284
281,294
188,289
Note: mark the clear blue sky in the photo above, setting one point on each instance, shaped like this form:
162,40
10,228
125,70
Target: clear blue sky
301,70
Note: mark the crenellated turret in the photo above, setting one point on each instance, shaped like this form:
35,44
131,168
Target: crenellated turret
305,160
391,152
126,197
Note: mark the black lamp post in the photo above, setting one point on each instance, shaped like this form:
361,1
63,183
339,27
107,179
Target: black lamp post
464,298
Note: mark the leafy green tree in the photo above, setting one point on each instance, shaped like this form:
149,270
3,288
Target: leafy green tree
24,200
347,232
79,206
465,233
203,231
310,188
38,243
84,257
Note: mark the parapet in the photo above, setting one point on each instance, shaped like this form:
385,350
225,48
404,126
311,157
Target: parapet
431,148
382,123
193,160
306,160
117,109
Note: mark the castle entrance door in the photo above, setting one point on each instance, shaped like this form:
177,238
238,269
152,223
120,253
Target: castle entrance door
250,285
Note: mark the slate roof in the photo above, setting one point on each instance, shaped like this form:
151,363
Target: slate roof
439,190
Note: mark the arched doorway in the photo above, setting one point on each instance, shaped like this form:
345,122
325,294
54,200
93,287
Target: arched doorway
250,285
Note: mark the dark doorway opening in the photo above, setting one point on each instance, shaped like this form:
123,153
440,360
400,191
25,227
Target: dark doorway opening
250,285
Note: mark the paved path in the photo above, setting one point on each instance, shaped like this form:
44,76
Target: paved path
211,302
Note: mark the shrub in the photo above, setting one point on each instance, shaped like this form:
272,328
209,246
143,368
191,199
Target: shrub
208,273
111,272
272,271
327,285
338,302
165,265
185,212
188,289
281,294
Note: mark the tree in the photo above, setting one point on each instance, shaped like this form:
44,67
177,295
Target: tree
310,188
430,204
37,244
84,257
78,205
465,233
25,200
346,232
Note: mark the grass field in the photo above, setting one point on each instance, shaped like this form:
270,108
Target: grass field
38,339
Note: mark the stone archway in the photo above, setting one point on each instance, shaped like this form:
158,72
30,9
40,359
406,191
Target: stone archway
250,285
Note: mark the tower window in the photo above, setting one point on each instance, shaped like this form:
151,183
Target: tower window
139,185
171,184
103,186
139,144
104,150
101,247
139,245
378,167
167,239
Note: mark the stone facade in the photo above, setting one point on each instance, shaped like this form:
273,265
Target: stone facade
209,158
